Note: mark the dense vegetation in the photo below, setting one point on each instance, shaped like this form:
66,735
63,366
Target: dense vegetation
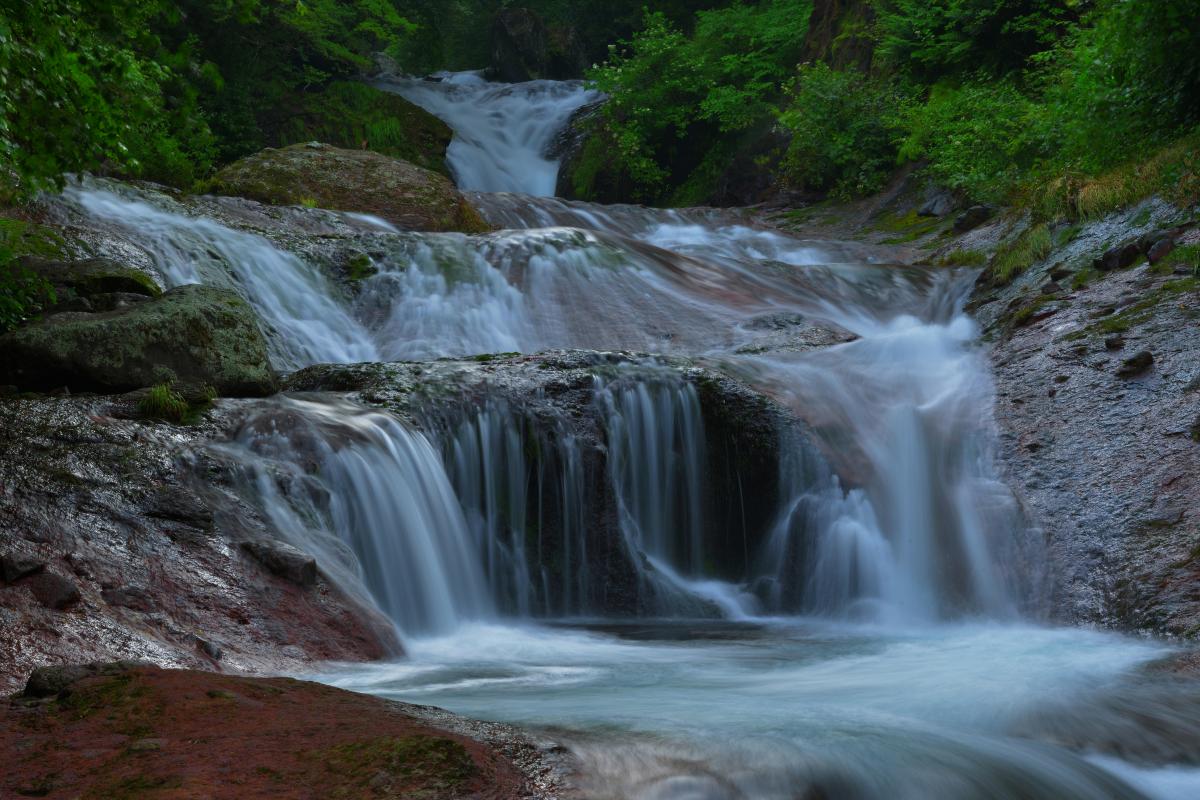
992,96
998,100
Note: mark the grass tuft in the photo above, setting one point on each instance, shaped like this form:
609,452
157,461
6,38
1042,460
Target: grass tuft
1019,254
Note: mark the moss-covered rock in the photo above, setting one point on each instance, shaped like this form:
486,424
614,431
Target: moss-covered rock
92,276
191,334
316,174
350,114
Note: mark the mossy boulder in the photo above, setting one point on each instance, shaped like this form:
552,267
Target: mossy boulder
316,174
92,276
194,334
350,114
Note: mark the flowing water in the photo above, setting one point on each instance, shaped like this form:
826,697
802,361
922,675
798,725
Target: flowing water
876,644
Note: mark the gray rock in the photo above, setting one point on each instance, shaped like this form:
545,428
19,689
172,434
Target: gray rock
1136,365
938,203
51,681
93,276
972,218
192,333
1160,250
134,597
14,566
53,590
280,558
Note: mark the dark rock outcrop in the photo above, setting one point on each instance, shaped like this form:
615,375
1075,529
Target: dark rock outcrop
524,48
318,174
192,333
280,558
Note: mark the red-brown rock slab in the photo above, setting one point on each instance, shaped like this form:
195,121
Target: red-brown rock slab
137,731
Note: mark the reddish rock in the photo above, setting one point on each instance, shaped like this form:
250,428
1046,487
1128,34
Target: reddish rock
136,730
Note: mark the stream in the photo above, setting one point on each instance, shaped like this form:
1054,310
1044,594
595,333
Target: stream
887,644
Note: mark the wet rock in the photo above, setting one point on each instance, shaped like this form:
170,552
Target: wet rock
180,504
14,566
134,597
1119,257
1114,342
938,203
93,276
1160,250
972,218
209,648
191,333
351,180
53,590
1136,365
280,558
524,48
52,681
112,301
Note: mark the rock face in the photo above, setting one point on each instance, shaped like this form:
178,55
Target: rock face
113,546
525,49
551,399
1098,405
126,729
351,180
192,333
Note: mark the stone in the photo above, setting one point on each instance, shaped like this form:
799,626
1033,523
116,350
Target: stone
54,591
92,276
54,680
280,558
192,333
1160,250
179,504
209,648
1119,257
972,218
14,566
1114,342
938,203
404,194
134,597
1136,365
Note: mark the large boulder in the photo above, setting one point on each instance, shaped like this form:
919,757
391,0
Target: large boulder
316,174
193,334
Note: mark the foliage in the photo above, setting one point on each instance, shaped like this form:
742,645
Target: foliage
1020,253
163,402
674,95
930,40
22,293
842,127
979,138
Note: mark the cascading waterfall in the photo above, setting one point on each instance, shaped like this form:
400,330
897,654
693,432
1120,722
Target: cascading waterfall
892,510
502,133
295,301
372,500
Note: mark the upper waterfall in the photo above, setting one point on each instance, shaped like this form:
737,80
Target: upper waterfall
502,132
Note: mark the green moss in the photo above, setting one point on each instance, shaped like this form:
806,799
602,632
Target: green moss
909,227
354,115
360,267
962,258
1082,278
426,764
163,402
1020,253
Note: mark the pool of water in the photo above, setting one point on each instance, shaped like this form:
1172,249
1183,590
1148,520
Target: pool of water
798,709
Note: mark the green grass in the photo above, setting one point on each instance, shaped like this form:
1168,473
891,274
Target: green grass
962,258
1019,254
163,402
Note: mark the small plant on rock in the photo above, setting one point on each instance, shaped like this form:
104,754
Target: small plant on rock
163,402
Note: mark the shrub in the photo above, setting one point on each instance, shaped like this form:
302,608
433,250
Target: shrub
22,294
979,138
843,127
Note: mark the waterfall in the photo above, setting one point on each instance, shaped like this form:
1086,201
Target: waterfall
502,132
896,511
295,302
372,500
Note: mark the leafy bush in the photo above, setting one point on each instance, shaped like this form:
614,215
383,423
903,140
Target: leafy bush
931,40
843,127
672,96
980,138
22,294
